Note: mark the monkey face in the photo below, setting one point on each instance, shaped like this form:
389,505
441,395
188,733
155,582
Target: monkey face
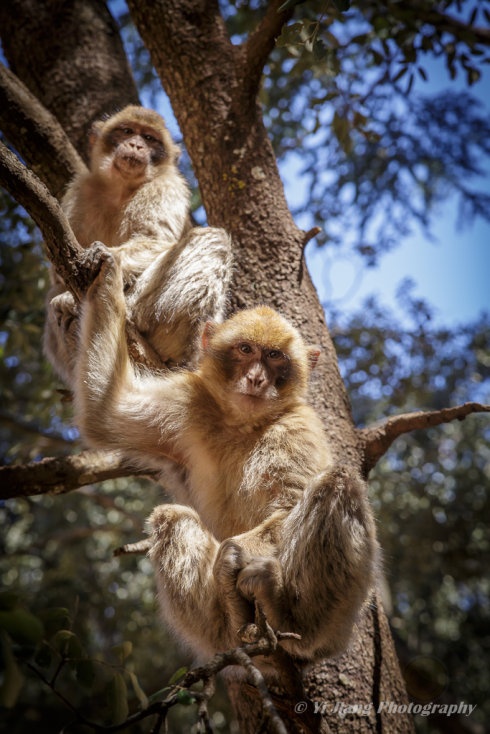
258,372
255,364
135,148
133,144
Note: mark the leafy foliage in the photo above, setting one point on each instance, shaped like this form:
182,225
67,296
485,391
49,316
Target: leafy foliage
377,154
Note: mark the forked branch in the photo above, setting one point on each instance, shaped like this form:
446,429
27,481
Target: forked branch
376,440
31,128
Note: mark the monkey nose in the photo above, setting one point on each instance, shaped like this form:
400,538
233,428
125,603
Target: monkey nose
256,380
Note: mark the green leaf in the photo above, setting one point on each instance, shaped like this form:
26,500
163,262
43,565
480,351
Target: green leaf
67,644
117,699
185,697
177,675
22,626
13,680
473,75
123,650
400,74
140,694
291,34
158,695
54,619
342,5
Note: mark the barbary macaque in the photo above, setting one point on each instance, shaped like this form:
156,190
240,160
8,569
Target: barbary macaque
134,200
266,515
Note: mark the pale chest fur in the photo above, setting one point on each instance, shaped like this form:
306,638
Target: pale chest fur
98,210
255,473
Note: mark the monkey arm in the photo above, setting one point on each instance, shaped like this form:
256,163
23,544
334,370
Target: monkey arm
154,220
117,408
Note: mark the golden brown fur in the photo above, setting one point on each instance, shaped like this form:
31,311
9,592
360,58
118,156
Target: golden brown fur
264,514
136,202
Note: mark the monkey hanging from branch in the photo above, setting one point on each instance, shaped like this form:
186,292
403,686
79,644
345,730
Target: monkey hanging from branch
266,516
134,199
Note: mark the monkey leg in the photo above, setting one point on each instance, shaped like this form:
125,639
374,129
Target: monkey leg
324,568
183,288
61,333
232,558
183,553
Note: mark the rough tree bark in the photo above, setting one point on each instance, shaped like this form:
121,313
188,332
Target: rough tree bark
79,73
71,57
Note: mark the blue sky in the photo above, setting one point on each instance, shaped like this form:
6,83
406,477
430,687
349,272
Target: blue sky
451,271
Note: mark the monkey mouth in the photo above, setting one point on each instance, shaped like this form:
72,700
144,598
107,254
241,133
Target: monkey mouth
130,163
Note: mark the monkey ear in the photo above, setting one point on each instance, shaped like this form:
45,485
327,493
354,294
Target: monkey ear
313,354
208,331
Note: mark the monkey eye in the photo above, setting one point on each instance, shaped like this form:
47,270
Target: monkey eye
150,138
127,130
245,348
275,354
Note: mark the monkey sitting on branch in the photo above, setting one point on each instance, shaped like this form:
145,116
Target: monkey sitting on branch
135,200
265,516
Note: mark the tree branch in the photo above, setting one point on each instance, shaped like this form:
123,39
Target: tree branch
63,249
377,439
63,474
260,44
452,25
74,264
31,129
265,644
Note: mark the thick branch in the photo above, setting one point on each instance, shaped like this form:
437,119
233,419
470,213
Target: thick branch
64,251
377,439
60,475
31,129
260,44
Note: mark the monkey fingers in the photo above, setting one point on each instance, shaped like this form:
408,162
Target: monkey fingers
231,559
97,263
65,310
259,578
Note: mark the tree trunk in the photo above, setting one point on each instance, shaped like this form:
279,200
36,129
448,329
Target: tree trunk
80,72
70,55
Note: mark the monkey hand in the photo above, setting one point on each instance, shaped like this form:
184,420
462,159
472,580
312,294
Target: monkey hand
64,310
260,579
231,559
101,268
